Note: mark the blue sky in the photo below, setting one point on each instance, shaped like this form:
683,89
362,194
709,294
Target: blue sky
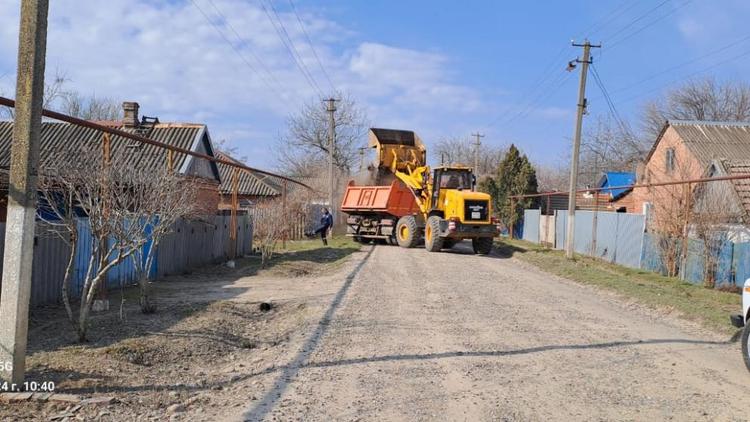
441,68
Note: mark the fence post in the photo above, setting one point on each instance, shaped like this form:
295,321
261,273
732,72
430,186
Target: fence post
233,217
685,231
594,223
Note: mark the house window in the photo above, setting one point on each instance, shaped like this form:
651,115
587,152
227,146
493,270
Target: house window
669,160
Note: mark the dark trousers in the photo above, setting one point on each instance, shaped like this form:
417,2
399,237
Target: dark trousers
323,232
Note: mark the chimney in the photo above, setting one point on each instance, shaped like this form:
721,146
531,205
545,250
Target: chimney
130,114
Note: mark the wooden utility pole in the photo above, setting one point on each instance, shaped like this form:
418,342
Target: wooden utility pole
331,109
569,238
477,143
24,167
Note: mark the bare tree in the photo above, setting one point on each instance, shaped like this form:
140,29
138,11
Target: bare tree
271,218
552,178
609,146
457,150
704,99
73,103
89,107
124,207
306,139
671,214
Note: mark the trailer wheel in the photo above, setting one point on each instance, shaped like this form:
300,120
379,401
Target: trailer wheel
482,245
746,346
407,232
432,240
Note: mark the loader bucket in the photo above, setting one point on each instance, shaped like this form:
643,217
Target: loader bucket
397,149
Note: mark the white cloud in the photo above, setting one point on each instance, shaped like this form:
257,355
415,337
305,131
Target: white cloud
168,58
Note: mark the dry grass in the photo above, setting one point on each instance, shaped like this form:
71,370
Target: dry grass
709,307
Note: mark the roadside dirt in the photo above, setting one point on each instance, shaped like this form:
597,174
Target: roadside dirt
184,361
394,334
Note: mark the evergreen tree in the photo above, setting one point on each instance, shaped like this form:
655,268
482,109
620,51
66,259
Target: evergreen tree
514,176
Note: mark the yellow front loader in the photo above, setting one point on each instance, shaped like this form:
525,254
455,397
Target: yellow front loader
450,210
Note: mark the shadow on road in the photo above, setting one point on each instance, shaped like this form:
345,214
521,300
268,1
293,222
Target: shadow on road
288,372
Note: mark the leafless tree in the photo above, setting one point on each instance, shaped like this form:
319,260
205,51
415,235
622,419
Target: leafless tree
271,218
703,99
91,107
609,146
671,215
305,142
124,207
58,98
458,150
552,178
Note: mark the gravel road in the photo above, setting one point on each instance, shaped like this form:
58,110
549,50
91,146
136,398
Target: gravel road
411,335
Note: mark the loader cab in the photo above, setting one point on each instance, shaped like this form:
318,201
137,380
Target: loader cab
451,178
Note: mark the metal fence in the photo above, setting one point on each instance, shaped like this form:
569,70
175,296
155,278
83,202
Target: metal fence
191,244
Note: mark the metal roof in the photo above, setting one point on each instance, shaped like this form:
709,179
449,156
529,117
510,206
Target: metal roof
58,137
250,183
742,186
709,140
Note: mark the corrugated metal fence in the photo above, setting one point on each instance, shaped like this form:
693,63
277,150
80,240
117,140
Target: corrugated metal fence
621,239
192,244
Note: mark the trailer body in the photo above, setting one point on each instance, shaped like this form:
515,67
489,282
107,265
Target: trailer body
374,210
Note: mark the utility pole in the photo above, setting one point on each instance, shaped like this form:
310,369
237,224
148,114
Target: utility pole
569,238
24,163
477,143
331,109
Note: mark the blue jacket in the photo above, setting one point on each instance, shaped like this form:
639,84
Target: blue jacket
327,220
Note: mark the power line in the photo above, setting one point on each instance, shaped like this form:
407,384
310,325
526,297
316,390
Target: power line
289,44
689,75
312,47
648,25
612,108
683,64
602,23
538,90
639,18
237,51
229,25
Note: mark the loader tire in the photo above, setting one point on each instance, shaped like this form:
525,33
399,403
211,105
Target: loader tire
482,245
432,240
407,231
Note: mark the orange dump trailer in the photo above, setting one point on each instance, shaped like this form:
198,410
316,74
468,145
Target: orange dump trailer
374,210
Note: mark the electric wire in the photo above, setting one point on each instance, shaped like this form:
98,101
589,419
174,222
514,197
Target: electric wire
312,47
239,53
289,44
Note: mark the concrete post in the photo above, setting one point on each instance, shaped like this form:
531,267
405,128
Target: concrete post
22,192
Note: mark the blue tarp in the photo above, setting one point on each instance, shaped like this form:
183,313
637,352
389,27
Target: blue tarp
615,178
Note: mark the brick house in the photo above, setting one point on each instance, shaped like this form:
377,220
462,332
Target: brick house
191,136
684,150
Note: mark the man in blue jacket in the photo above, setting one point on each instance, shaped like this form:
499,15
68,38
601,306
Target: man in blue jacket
325,223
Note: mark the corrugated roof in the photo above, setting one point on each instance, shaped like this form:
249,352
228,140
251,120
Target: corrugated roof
742,187
250,183
715,140
58,137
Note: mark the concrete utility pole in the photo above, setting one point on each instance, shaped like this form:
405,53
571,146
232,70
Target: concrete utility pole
331,109
477,143
569,238
24,162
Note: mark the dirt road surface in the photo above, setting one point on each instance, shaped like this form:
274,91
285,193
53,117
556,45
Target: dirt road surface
410,335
